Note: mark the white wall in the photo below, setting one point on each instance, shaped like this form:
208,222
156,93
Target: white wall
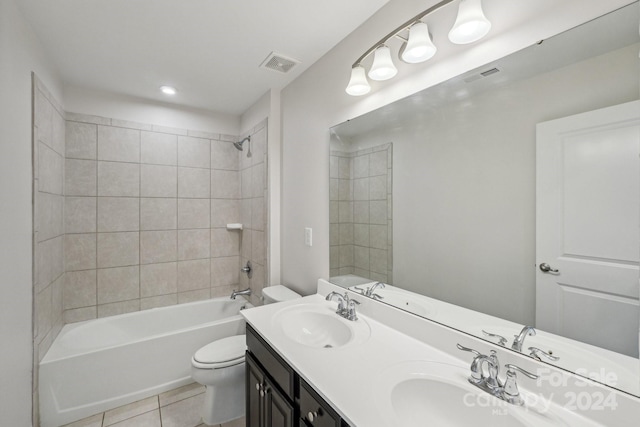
316,101
124,107
20,54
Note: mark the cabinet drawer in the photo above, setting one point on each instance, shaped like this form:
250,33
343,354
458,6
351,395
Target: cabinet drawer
311,403
280,372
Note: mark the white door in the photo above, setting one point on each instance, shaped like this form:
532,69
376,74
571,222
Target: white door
588,227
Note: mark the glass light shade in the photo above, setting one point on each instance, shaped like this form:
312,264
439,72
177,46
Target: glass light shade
358,84
382,68
471,24
419,47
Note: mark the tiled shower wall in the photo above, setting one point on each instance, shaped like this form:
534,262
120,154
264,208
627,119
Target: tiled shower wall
361,226
48,224
146,209
253,193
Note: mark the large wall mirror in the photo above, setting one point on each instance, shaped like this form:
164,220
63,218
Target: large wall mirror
511,199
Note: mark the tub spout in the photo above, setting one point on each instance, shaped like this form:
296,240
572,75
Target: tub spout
235,293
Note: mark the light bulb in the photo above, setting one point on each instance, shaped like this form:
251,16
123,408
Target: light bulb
382,68
358,84
419,47
168,90
471,24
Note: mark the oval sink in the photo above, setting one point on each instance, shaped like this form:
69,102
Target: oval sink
419,393
318,326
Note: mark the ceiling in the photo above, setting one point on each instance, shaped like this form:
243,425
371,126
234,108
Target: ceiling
210,50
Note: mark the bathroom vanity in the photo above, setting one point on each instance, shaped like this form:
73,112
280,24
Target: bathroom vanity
276,394
308,366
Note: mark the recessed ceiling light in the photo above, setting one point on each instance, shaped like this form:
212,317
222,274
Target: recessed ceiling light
168,90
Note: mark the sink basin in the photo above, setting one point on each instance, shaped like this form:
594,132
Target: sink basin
318,326
419,393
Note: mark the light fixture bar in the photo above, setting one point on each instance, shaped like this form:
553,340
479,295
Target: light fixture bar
401,28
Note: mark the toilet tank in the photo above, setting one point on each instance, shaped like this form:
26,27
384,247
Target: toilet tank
278,293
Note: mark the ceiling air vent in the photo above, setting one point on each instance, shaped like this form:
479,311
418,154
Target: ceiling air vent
478,76
489,72
278,62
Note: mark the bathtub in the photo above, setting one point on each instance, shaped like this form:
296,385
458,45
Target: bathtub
101,364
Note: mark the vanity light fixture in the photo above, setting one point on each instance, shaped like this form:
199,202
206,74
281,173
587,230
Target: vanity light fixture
470,26
168,90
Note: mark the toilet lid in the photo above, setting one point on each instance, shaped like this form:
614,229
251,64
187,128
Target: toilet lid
227,351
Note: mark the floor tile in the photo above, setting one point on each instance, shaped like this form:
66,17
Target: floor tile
131,410
149,419
93,421
181,393
185,413
240,422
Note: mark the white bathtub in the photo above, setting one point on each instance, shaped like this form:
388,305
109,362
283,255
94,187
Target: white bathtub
101,364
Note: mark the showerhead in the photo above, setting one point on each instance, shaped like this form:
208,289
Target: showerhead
239,144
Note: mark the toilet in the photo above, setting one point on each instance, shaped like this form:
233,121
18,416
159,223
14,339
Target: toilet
219,366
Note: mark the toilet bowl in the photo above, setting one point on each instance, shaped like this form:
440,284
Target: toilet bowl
219,366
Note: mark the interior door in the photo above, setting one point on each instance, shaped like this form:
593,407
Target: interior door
587,227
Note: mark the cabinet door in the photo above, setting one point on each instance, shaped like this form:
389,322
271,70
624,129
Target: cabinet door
277,409
253,380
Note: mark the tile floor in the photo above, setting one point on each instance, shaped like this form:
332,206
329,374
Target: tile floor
174,408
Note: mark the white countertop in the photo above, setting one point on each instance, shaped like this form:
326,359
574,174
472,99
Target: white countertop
349,377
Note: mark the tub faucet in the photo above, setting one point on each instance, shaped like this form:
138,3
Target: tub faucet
235,293
526,331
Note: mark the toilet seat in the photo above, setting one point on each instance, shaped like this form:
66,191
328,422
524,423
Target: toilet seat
221,353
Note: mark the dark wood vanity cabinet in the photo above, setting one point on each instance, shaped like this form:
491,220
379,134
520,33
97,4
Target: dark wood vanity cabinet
276,396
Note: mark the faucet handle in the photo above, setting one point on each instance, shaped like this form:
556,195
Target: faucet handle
536,353
463,348
351,309
510,391
362,291
501,340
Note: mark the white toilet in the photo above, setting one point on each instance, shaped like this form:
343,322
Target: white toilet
220,367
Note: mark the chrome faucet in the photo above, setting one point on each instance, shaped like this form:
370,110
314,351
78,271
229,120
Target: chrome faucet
369,291
346,306
506,390
235,293
519,339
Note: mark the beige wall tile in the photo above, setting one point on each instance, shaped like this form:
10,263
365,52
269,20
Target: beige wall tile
193,274
80,314
194,213
80,177
118,144
42,310
80,289
378,260
193,244
158,181
118,284
80,251
50,170
116,308
224,156
158,301
259,145
224,211
361,234
159,148
118,214
118,179
194,152
225,184
192,296
158,214
378,163
361,166
158,279
258,247
258,219
361,189
224,242
158,246
50,220
118,249
378,187
246,183
245,213
80,214
378,236
194,183
360,212
82,141
378,212
258,180
361,257
225,271
50,261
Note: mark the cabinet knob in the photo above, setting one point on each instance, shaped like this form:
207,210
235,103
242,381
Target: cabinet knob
312,415
258,386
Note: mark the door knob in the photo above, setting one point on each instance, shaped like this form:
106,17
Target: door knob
546,268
